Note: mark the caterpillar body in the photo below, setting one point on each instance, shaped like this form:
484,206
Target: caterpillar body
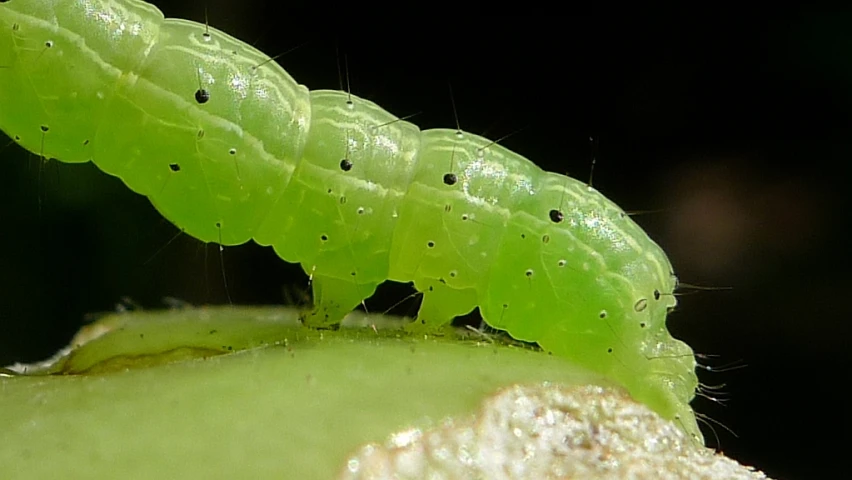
230,148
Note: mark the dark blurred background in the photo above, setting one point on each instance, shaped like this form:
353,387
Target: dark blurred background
735,131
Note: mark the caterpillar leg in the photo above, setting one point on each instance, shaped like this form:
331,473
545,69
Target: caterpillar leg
334,298
440,305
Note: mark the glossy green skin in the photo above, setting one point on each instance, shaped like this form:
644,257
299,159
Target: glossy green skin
111,81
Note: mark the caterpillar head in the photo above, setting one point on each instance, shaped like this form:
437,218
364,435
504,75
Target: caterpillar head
670,382
667,378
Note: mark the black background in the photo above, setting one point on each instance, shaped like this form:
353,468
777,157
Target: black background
735,130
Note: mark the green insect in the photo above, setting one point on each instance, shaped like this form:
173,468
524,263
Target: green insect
228,147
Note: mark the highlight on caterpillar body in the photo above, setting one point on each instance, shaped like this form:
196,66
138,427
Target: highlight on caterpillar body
229,148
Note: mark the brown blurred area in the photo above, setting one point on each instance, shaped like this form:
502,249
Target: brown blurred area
724,217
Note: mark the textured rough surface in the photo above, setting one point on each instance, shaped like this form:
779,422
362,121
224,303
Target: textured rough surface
524,432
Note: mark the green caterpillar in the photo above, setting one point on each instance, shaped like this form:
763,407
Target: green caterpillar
230,148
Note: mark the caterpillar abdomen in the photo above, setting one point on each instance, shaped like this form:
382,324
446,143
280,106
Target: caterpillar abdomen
230,148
